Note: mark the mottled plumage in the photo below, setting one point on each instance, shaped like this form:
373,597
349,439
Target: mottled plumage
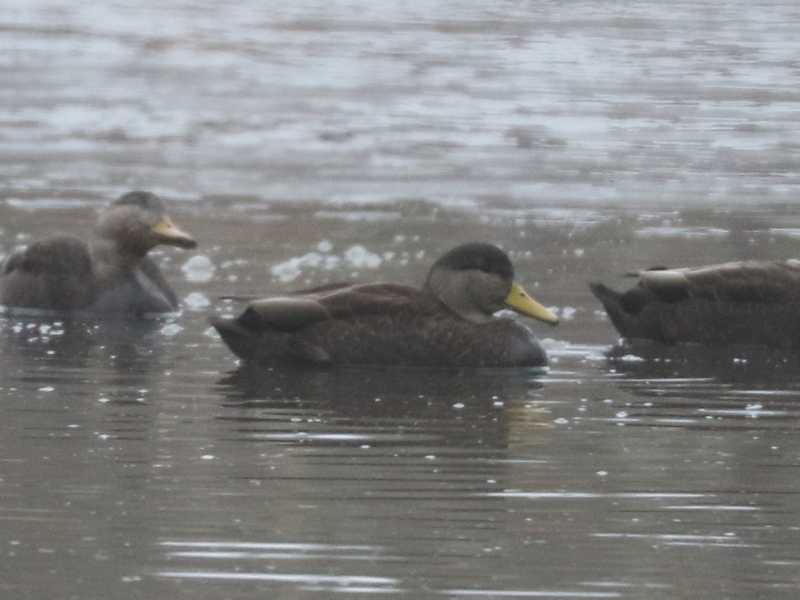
109,274
448,322
753,302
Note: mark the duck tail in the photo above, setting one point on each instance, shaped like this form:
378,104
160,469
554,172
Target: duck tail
241,341
604,293
613,303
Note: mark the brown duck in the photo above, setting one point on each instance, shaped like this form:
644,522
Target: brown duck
110,274
448,322
750,302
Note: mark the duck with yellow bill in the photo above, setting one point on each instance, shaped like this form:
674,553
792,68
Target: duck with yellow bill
109,274
449,321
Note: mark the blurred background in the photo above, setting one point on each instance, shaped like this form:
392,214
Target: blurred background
456,104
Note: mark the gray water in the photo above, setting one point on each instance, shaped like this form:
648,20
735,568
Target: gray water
320,141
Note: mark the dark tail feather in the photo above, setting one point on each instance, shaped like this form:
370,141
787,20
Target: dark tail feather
605,294
612,302
242,342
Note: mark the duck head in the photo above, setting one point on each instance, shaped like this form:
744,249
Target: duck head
476,280
137,222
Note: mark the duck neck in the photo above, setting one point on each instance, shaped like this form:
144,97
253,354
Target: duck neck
121,256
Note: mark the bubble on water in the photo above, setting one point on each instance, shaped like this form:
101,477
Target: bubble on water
171,329
197,301
325,246
631,358
199,269
47,388
208,457
291,269
458,405
602,473
359,257
568,313
331,262
560,421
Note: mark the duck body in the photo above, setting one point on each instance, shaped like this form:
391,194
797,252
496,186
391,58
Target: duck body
736,303
448,322
109,274
56,273
380,324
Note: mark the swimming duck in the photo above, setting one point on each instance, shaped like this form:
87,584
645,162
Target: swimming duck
751,302
110,274
448,322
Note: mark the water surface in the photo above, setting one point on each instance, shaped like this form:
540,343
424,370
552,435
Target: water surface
326,141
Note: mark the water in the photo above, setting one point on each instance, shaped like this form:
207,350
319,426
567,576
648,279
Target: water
322,141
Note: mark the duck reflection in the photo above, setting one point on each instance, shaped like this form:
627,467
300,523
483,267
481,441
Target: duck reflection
735,364
406,406
408,457
30,347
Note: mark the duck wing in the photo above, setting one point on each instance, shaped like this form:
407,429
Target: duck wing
748,282
294,312
53,274
268,328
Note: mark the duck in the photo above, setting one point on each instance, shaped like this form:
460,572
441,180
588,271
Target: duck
449,322
752,303
109,274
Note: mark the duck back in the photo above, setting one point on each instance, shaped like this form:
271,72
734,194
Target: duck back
54,274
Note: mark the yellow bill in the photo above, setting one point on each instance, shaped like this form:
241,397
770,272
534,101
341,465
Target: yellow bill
169,233
519,300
